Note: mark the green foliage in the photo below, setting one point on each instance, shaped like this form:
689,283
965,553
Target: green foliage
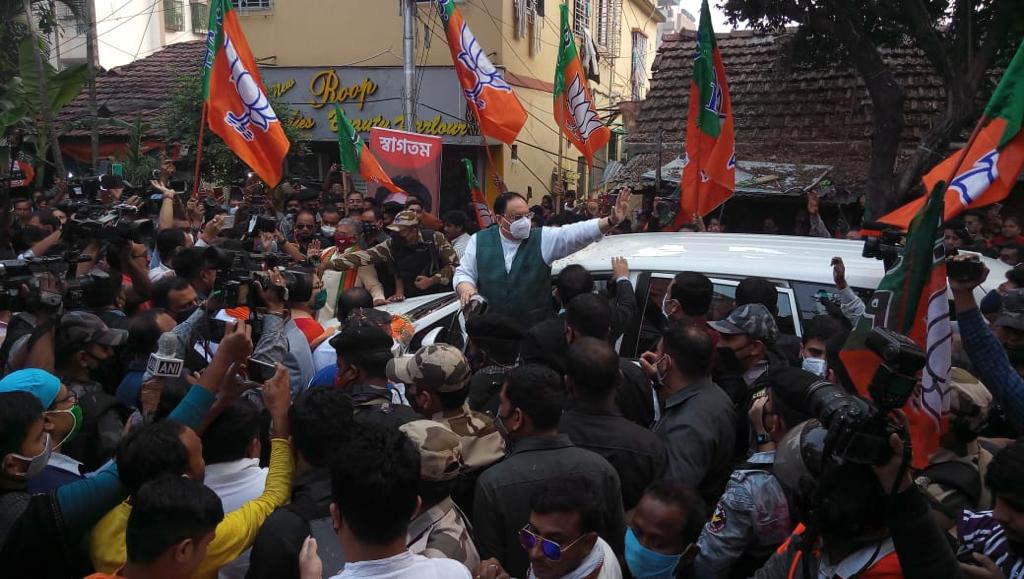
138,167
13,30
181,125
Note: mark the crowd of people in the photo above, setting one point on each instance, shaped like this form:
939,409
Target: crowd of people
225,397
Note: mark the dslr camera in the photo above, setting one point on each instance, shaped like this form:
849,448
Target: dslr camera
859,429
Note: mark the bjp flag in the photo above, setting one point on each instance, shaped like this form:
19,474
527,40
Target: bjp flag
357,158
498,110
709,169
237,108
574,109
988,170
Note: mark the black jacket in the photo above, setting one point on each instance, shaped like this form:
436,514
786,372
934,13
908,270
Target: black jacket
636,453
275,552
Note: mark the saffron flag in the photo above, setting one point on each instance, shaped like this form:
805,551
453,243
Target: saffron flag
709,167
481,211
237,108
911,300
575,114
993,160
498,111
357,158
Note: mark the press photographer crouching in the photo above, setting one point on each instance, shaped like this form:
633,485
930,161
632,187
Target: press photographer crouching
847,476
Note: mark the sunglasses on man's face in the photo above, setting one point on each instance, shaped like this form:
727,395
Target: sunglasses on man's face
552,550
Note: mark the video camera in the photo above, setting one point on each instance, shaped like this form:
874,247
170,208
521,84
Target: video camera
886,247
858,429
17,276
112,223
237,269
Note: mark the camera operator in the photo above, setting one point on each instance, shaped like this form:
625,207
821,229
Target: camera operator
860,521
27,328
282,341
997,354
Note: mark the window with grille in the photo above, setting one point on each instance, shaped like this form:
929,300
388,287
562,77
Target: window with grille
638,72
200,17
174,15
68,21
253,4
603,22
580,16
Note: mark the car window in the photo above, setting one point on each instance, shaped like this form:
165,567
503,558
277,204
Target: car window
652,321
815,299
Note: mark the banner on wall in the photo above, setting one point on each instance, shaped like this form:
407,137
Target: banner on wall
413,161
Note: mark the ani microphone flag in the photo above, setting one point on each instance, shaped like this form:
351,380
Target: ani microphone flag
709,168
357,158
574,109
481,211
911,300
498,110
237,108
994,158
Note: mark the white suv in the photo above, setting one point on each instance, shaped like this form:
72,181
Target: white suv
800,267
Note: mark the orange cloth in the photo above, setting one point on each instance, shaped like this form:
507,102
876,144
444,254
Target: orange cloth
310,328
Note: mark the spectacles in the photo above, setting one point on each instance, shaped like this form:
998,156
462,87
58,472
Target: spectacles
304,226
552,550
528,215
70,398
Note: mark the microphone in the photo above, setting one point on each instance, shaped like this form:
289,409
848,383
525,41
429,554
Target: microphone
165,363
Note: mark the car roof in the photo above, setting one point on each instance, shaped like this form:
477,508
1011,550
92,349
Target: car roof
779,257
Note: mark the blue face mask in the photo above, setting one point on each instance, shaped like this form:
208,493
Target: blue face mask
645,563
991,303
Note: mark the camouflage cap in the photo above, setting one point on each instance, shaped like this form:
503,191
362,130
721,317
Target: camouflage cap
83,328
753,320
1012,313
440,449
438,368
969,400
407,218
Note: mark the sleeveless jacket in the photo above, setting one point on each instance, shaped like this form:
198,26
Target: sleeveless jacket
524,292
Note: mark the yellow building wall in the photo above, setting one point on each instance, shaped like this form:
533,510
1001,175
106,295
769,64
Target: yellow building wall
369,33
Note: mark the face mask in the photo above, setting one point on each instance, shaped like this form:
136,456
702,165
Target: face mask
182,316
328,230
36,463
499,424
370,229
816,366
991,302
345,240
520,228
645,563
659,376
664,307
76,415
321,300
233,210
727,359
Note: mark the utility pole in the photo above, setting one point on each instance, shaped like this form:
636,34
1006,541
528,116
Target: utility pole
409,64
56,35
649,199
44,93
91,63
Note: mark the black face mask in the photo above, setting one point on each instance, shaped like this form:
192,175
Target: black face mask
370,229
727,359
182,316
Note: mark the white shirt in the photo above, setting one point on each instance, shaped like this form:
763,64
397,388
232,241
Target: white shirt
460,243
236,482
555,243
158,272
404,565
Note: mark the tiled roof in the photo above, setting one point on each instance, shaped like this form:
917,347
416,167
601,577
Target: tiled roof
141,88
783,112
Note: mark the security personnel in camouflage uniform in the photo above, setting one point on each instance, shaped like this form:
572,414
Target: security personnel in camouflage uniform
436,382
440,530
422,260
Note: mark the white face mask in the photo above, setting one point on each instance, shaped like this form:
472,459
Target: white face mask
328,230
520,228
815,366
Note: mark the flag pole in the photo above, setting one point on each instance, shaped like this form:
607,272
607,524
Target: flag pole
199,151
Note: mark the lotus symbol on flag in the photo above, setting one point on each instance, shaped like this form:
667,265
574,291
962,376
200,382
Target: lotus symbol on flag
475,60
257,107
584,117
973,182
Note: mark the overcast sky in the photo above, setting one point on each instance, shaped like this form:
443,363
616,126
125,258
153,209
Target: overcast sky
717,16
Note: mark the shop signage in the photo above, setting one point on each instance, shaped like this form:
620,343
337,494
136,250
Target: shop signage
371,97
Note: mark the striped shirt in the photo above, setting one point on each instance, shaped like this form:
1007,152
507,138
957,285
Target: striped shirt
981,533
